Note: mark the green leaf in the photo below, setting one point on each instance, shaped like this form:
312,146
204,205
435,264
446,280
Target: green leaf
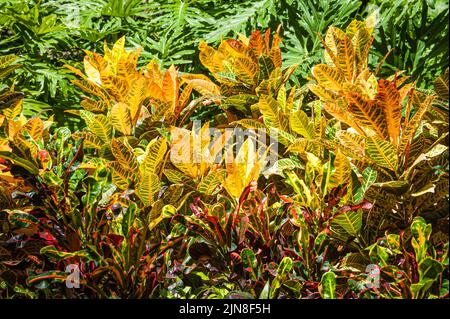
52,252
209,183
250,124
101,127
421,232
54,275
301,124
420,228
270,110
168,211
26,164
147,187
121,119
369,177
379,254
249,260
328,285
350,221
21,219
283,164
128,220
284,267
176,177
395,187
121,176
342,170
155,222
154,155
6,60
328,76
430,269
428,188
4,72
173,193
441,85
124,153
381,152
435,151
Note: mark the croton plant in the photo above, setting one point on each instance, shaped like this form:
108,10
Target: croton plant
144,203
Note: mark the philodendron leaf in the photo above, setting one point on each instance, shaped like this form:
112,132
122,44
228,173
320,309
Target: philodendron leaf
328,285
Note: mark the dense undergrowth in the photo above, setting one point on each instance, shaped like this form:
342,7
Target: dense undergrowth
165,186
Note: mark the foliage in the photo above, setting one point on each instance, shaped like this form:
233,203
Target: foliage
381,134
147,203
417,44
48,34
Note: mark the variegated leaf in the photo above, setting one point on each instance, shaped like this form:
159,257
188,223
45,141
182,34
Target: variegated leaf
147,187
381,152
388,99
124,153
154,155
301,124
366,113
346,58
121,119
328,77
342,170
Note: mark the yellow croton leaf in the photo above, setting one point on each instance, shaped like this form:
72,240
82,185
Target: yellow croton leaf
171,87
243,169
194,153
92,73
